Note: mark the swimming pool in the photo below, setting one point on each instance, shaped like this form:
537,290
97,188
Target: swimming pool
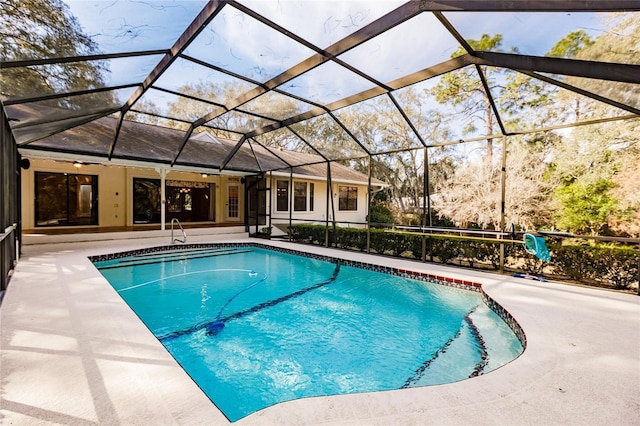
255,326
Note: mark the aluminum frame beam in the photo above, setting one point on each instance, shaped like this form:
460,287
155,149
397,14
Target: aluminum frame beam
530,5
206,15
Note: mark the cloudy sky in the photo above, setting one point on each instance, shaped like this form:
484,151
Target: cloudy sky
237,42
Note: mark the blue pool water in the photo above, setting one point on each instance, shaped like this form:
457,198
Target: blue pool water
254,327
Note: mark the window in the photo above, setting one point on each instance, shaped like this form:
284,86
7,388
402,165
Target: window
282,196
64,199
178,199
186,201
300,196
348,198
146,200
303,194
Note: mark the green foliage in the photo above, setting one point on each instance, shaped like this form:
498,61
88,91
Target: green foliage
609,265
308,233
486,43
574,262
439,220
571,45
613,265
380,213
44,29
585,207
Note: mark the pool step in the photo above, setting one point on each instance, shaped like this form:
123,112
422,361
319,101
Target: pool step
485,322
467,344
445,363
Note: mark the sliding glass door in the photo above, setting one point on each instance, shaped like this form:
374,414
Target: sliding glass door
64,199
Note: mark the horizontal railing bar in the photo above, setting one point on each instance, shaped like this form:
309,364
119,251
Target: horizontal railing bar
8,231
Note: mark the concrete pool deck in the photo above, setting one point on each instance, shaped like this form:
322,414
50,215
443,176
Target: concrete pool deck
72,352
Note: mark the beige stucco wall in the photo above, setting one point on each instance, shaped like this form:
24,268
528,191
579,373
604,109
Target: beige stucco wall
115,190
111,190
115,194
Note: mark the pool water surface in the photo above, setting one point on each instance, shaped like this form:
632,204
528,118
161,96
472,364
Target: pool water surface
254,327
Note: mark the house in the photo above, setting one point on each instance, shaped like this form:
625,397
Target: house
68,180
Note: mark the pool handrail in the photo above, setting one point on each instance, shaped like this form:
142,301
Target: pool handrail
184,234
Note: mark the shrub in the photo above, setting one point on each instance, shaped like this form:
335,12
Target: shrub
611,265
619,266
380,213
606,264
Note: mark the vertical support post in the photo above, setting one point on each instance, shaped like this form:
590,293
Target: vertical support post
290,203
426,203
326,228
369,207
503,179
163,196
333,207
269,199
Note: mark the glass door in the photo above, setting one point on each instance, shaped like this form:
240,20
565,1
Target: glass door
233,202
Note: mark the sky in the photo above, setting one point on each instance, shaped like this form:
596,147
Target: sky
235,41
238,42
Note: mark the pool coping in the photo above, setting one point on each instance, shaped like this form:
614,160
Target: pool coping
72,352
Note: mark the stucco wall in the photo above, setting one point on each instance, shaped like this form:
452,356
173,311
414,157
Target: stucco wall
115,190
320,203
111,190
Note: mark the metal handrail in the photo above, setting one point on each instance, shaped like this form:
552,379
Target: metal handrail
8,230
184,234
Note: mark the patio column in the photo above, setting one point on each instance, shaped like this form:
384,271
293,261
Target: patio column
163,199
329,194
290,203
369,206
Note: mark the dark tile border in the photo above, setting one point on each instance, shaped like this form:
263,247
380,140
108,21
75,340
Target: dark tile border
405,273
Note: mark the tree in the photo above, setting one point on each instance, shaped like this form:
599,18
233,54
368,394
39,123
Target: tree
44,29
398,158
627,192
599,162
463,91
570,45
218,97
146,115
469,195
470,190
586,207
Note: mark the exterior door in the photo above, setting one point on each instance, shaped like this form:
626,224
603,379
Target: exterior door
233,202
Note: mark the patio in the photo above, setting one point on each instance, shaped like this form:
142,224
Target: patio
72,352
